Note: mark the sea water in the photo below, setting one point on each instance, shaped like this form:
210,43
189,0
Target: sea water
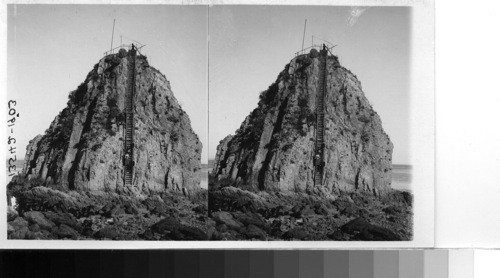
19,168
401,177
205,169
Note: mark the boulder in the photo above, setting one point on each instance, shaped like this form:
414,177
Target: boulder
19,233
108,232
17,228
62,218
155,205
249,218
222,228
201,209
322,209
113,210
34,228
165,225
42,234
66,232
254,232
296,233
300,211
188,233
11,214
87,228
223,217
131,208
36,217
360,229
171,229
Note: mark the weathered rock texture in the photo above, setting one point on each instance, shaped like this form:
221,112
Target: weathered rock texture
274,147
83,147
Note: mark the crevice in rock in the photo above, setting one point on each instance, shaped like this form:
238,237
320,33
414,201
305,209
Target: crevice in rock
223,162
269,155
356,180
81,143
32,163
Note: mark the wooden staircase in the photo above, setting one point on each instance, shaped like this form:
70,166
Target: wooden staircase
320,119
128,158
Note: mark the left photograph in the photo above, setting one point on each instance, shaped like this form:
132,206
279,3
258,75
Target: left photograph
107,122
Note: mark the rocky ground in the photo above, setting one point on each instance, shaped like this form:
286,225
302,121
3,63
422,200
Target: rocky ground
237,214
45,213
234,214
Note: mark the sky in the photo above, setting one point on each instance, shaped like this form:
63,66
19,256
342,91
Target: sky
250,45
51,48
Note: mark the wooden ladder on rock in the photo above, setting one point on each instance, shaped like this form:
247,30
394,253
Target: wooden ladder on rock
320,119
128,158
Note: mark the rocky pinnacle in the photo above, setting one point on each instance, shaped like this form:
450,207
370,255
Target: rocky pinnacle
275,147
84,148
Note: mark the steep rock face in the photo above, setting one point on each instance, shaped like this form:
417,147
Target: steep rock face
84,146
274,147
219,163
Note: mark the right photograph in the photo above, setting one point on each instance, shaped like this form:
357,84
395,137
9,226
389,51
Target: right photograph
309,124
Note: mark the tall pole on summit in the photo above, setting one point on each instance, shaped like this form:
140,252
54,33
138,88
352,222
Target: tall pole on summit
304,35
112,34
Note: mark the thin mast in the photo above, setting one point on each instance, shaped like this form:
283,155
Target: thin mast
304,35
112,35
